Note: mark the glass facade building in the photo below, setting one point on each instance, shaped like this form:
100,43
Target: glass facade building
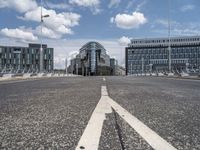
91,60
15,59
152,55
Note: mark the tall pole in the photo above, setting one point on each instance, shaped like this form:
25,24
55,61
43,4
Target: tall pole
131,67
76,69
86,71
41,50
142,65
66,66
169,38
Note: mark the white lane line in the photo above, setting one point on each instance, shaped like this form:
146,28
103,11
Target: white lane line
154,140
91,135
104,79
104,91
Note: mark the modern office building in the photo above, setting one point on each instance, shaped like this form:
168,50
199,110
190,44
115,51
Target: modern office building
152,55
14,59
91,60
113,65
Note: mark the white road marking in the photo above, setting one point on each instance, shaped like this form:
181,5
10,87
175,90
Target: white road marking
91,136
154,140
104,79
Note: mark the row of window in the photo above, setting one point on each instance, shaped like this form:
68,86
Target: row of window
27,67
135,67
139,57
173,45
164,50
21,61
23,50
23,56
165,40
175,61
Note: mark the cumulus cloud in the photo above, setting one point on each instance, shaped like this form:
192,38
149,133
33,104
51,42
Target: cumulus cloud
92,4
19,5
18,34
124,41
57,24
114,3
126,21
46,32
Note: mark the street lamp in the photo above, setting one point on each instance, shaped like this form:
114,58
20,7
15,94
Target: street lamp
76,69
169,38
41,49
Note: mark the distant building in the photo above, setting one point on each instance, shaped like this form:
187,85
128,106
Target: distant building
91,60
75,65
17,59
120,71
113,66
151,55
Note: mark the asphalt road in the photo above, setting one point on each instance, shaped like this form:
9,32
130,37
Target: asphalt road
171,107
53,113
48,113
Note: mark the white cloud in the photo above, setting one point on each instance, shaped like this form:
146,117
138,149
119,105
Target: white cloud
92,4
58,24
58,5
18,34
124,41
126,21
46,32
187,8
19,5
114,3
85,3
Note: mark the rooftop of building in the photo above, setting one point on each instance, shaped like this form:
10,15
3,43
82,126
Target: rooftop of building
30,45
89,44
180,39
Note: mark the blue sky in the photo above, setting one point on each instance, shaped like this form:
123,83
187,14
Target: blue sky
113,23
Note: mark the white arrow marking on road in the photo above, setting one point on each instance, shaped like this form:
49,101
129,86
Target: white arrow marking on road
91,136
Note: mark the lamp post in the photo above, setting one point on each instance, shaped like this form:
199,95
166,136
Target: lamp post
66,71
142,65
41,49
169,38
76,69
131,67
